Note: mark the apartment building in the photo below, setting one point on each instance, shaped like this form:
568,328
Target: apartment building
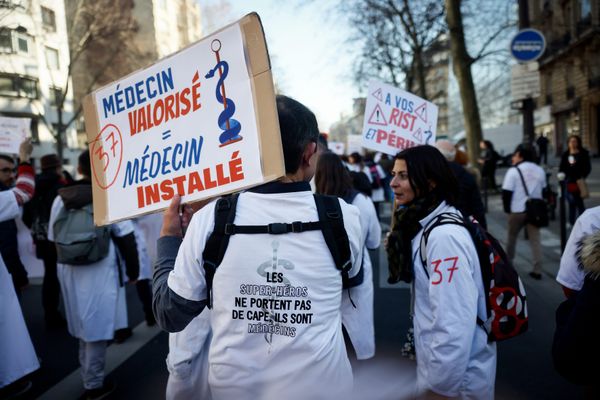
141,32
569,70
34,65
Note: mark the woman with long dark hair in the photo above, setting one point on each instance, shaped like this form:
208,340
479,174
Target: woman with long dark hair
332,178
575,163
453,355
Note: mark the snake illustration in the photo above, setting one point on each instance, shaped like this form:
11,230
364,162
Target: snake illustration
231,127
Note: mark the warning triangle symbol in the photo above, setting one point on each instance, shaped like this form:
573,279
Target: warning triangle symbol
421,112
377,117
378,94
418,135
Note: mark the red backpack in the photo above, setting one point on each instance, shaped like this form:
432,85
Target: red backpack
506,301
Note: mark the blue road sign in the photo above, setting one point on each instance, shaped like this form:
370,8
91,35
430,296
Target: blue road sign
528,45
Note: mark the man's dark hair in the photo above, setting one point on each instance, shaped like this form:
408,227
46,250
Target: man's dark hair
7,158
526,152
298,127
425,164
84,163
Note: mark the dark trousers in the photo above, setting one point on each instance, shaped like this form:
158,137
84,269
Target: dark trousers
50,287
576,207
144,291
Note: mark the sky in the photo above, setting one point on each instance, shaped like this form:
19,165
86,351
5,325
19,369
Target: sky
310,57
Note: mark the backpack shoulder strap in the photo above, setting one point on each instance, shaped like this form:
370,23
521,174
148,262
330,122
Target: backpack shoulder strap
336,238
442,219
523,182
217,242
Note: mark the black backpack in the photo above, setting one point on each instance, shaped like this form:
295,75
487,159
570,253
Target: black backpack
506,301
331,223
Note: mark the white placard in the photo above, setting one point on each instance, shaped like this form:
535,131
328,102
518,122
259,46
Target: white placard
396,120
12,133
187,124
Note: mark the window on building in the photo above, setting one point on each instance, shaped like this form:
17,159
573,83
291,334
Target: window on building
55,95
52,58
586,8
22,42
18,86
48,19
6,41
12,41
14,3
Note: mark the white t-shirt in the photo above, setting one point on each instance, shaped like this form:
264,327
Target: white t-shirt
569,273
535,179
276,316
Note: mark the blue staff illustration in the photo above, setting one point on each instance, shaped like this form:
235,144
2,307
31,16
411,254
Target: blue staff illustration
231,127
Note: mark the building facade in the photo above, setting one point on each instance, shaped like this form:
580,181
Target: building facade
146,31
34,70
569,71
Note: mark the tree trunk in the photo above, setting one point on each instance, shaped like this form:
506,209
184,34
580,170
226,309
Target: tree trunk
60,134
461,65
420,72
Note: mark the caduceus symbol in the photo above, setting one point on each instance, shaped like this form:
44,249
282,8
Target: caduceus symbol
231,127
273,264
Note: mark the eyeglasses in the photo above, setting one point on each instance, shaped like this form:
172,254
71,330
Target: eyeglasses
8,170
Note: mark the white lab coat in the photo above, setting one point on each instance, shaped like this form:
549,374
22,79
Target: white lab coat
143,254
359,321
93,297
570,274
187,360
17,354
453,356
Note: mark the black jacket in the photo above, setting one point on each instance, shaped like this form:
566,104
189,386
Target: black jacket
575,349
469,198
581,168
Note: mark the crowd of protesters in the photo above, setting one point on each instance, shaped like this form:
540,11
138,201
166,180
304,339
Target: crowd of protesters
223,303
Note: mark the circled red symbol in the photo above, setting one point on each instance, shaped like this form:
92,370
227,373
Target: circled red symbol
106,156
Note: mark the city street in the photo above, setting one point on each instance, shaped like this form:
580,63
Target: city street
524,368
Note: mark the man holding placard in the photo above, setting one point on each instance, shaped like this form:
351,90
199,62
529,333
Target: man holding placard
275,317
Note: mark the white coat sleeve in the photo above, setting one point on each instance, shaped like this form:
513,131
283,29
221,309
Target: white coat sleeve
187,278
352,224
569,274
56,206
453,295
369,221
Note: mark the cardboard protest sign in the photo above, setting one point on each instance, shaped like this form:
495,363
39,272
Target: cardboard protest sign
12,133
396,119
201,123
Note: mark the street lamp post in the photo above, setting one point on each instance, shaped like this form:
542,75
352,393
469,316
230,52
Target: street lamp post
562,210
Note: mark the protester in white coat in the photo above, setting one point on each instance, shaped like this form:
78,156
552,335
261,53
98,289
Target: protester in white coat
17,355
332,178
570,274
454,358
301,346
92,292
